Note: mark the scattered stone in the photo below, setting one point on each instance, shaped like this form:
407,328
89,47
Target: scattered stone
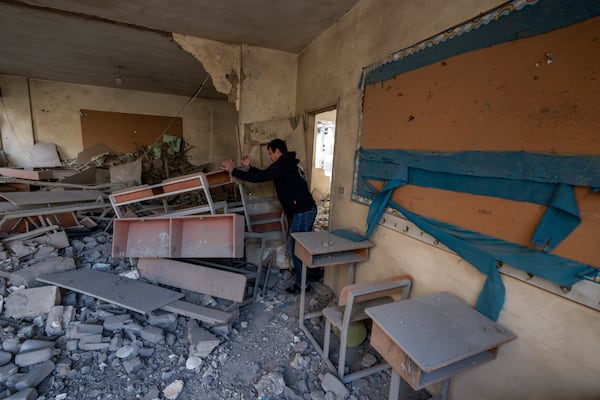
12,344
5,358
193,362
7,370
300,362
331,383
32,344
368,360
151,395
29,303
28,276
172,391
34,356
116,322
56,320
26,394
132,364
162,319
201,341
36,376
126,352
270,385
152,334
18,248
78,331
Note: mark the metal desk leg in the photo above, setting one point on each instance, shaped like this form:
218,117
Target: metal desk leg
351,273
394,386
302,295
302,317
445,388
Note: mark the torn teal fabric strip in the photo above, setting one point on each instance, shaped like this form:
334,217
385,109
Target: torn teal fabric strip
518,176
491,297
559,220
480,250
577,170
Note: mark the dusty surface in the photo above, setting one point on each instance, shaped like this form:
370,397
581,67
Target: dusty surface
262,355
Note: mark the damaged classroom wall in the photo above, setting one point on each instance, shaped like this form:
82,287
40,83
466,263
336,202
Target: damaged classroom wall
544,361
261,82
55,117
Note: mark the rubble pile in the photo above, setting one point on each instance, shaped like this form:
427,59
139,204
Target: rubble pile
159,161
322,220
59,344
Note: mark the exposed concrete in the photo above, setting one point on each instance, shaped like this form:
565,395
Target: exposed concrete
268,85
544,361
222,61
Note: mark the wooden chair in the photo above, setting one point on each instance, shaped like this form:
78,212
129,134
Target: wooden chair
353,301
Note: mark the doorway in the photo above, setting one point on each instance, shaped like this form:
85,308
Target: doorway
322,165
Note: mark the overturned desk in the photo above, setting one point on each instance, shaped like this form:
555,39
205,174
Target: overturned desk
429,339
324,249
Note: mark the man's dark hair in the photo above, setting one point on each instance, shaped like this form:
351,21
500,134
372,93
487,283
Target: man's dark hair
277,144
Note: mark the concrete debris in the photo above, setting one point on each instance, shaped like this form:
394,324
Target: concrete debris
26,394
32,302
172,391
331,383
75,346
27,276
271,385
36,375
201,341
32,357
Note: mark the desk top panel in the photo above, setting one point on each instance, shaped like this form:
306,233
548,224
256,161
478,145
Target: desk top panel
438,330
324,243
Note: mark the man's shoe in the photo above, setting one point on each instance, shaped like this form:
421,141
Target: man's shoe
295,289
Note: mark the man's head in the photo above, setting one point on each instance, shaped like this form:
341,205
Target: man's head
276,149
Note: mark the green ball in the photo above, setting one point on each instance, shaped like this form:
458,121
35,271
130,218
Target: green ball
357,333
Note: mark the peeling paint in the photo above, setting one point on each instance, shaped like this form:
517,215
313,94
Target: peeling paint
221,60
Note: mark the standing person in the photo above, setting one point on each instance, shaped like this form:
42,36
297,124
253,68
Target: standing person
292,191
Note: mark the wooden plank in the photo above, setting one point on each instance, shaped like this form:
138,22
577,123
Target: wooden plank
266,222
196,278
191,181
204,314
127,293
30,234
217,178
26,174
52,196
397,358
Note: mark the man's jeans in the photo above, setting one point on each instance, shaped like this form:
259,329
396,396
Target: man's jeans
301,222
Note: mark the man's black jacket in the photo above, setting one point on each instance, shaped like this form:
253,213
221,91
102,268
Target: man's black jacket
292,189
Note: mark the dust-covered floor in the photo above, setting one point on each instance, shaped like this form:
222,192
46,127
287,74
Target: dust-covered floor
263,354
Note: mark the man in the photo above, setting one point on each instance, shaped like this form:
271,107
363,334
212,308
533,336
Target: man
292,191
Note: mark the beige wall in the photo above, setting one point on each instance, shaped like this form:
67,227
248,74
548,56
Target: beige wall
556,352
208,125
15,119
268,88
